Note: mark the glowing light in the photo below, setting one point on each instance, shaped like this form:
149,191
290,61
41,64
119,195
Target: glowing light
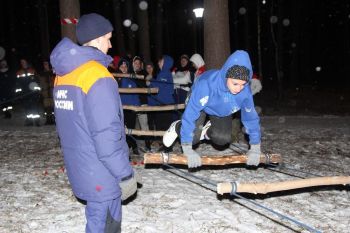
286,22
134,27
273,19
198,12
242,10
318,68
127,23
143,5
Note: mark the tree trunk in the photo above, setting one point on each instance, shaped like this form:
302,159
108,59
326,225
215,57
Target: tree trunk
294,64
11,52
44,29
118,28
159,30
258,23
216,33
69,9
130,35
143,34
246,27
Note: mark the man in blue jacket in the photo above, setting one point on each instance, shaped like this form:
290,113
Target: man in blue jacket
90,124
219,94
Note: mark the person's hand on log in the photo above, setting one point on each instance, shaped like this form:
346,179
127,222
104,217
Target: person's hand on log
128,185
253,155
193,158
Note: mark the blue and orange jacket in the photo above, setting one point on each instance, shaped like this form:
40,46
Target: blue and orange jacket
211,95
89,121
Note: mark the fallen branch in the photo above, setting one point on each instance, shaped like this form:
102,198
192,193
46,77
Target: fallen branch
160,158
263,188
153,108
144,132
136,90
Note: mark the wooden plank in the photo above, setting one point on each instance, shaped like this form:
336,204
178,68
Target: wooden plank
263,188
154,108
159,158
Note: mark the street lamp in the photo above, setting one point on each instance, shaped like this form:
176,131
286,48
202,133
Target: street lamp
198,12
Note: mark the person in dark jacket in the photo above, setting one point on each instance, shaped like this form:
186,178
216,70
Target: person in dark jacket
28,89
128,99
7,83
165,96
90,124
219,94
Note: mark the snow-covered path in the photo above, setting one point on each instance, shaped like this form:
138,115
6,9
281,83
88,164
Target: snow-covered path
36,197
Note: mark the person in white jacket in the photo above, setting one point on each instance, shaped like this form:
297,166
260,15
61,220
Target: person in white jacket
183,76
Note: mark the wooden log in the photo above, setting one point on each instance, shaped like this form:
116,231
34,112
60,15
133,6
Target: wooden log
159,158
144,132
136,90
263,188
153,108
134,76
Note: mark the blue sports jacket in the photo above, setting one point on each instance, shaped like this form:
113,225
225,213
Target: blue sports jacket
89,121
211,95
164,81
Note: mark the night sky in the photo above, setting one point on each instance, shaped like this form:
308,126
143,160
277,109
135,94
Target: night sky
314,35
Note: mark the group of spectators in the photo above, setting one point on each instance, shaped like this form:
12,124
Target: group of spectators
173,83
28,89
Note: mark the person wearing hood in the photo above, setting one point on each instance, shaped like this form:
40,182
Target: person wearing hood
90,124
165,96
183,76
218,94
198,64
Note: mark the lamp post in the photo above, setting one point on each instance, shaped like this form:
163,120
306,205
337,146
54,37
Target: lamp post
198,12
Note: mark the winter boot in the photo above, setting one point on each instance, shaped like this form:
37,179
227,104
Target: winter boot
171,134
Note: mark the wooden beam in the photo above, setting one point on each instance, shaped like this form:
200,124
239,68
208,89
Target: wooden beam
160,158
133,76
144,132
153,108
136,90
263,188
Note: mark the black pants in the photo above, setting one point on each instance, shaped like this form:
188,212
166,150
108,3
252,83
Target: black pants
220,131
130,121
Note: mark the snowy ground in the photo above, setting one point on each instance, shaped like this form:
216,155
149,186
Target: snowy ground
36,197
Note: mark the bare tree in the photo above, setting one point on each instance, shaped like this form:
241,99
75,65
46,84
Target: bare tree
69,9
44,28
216,33
159,29
143,34
130,35
118,30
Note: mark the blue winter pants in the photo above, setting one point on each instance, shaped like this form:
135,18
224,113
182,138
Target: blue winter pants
103,217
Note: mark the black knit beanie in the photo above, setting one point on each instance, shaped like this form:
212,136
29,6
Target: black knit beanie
92,26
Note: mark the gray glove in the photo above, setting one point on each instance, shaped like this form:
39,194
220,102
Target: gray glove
193,158
128,185
254,155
